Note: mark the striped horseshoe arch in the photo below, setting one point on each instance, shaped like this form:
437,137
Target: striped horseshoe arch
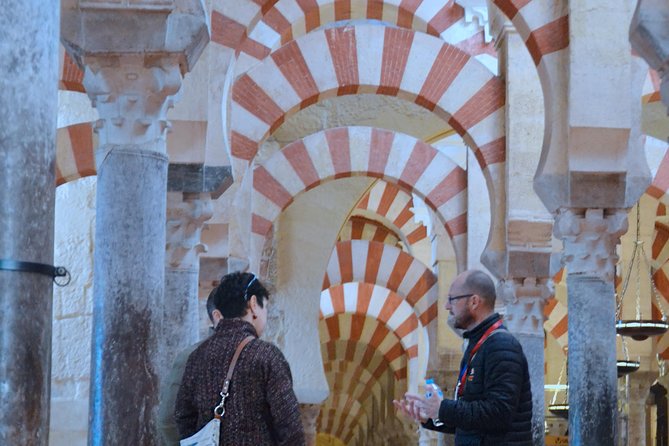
386,266
382,341
367,377
405,64
544,25
342,416
360,151
368,303
394,206
352,379
280,22
358,227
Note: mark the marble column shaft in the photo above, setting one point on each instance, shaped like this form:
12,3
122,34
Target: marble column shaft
186,214
590,238
309,416
525,299
129,272
29,31
639,392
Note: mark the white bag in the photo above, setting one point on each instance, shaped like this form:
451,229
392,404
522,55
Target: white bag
207,436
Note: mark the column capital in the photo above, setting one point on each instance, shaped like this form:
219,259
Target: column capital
590,237
132,96
186,214
149,28
525,299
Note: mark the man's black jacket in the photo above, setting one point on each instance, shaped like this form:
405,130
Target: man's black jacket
496,405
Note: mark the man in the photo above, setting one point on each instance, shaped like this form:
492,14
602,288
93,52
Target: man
493,399
167,427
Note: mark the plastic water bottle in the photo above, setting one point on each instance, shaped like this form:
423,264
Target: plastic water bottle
431,388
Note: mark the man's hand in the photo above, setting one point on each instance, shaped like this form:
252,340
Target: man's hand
427,407
410,410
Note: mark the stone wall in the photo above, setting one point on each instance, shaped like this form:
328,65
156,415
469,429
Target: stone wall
72,313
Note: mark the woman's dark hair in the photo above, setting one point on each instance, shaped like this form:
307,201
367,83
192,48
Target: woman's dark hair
232,295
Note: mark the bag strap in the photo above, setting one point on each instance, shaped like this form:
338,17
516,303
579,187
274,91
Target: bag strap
220,409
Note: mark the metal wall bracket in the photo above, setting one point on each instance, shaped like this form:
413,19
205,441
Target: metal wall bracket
38,268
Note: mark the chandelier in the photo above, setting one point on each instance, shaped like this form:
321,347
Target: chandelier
639,328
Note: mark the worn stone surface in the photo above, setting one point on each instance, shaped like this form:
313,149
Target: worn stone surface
194,178
592,361
309,416
525,301
186,213
533,347
28,107
128,307
181,313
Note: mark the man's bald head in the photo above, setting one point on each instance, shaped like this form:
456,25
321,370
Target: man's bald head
477,282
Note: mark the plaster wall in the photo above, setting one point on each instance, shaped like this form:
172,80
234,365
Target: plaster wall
72,313
307,232
525,130
74,108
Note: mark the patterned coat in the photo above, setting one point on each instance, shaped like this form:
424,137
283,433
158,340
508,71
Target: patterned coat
261,409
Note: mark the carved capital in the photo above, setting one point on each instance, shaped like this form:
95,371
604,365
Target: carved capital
525,299
590,237
185,218
132,97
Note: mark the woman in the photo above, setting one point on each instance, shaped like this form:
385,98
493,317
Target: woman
261,408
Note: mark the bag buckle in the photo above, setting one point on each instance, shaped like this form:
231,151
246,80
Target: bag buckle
220,409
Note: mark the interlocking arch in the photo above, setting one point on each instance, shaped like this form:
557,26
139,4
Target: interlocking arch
360,151
405,64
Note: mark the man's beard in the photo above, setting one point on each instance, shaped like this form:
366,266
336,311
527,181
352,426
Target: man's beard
451,323
463,321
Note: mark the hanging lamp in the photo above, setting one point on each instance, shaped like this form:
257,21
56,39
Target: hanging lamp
639,328
561,409
626,366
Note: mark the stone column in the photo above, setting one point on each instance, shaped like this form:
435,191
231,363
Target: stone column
134,55
186,214
29,32
590,237
525,300
309,416
639,391
129,272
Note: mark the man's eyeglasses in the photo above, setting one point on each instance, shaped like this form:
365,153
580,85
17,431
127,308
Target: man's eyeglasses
462,296
246,291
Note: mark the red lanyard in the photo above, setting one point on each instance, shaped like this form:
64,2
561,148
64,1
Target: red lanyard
486,335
